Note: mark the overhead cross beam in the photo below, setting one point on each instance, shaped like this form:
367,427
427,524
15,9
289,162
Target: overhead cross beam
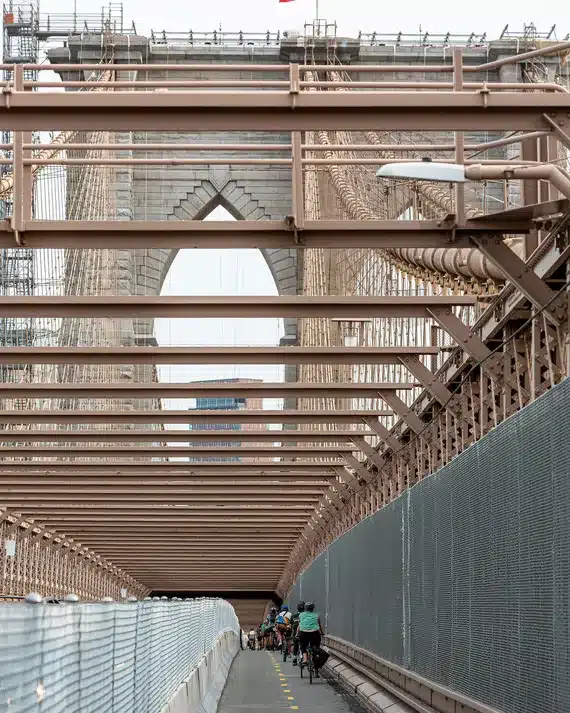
207,469
200,482
283,111
179,234
346,307
218,452
167,436
209,355
192,390
197,417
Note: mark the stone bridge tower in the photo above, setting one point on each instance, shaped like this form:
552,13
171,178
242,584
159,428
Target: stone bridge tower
252,192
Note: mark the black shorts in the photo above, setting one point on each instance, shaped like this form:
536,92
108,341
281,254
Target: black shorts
309,637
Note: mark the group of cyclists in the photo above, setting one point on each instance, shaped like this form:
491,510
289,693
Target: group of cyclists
287,631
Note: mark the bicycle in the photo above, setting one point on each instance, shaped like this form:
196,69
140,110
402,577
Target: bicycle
313,672
285,646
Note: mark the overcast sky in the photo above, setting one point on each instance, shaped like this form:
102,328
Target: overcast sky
351,16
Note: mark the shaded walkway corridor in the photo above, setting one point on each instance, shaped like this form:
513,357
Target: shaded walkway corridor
260,681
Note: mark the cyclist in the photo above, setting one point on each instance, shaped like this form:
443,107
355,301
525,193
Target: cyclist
282,623
270,629
294,628
263,634
251,637
310,630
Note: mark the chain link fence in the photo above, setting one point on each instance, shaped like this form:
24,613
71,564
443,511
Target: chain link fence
105,657
465,578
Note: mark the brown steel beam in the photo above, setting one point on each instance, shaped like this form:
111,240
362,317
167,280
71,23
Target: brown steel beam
29,498
45,481
407,414
194,540
429,381
182,523
203,468
178,234
189,417
162,452
191,513
209,355
192,390
166,436
358,467
200,564
525,279
166,493
207,562
60,486
283,111
347,307
531,211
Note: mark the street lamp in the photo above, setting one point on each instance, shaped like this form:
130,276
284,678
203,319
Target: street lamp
428,170
425,170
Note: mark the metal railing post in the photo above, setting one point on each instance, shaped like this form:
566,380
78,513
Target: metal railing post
459,136
297,181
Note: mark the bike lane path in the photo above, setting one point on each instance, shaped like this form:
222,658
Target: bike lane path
259,681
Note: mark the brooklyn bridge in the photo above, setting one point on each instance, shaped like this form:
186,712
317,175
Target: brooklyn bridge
407,468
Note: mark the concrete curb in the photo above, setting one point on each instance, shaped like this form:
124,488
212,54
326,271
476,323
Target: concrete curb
373,697
201,691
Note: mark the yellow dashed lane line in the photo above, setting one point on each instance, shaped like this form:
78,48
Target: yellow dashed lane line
282,678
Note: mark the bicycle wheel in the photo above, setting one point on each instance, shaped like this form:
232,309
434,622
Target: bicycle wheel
310,662
285,648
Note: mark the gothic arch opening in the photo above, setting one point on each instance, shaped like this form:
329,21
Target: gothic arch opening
218,272
238,204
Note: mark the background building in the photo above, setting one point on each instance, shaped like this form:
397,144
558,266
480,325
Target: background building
225,404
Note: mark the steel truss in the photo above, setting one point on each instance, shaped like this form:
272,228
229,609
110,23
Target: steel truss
347,462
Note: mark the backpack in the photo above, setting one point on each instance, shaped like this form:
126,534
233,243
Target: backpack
320,657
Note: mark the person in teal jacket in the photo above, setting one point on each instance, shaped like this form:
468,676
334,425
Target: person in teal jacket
310,629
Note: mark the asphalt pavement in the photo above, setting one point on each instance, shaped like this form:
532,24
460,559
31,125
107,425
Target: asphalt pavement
260,681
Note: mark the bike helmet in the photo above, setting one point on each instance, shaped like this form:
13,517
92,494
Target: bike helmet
301,606
309,606
284,608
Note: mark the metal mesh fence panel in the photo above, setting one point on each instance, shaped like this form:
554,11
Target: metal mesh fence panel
295,593
313,582
465,579
104,658
365,585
